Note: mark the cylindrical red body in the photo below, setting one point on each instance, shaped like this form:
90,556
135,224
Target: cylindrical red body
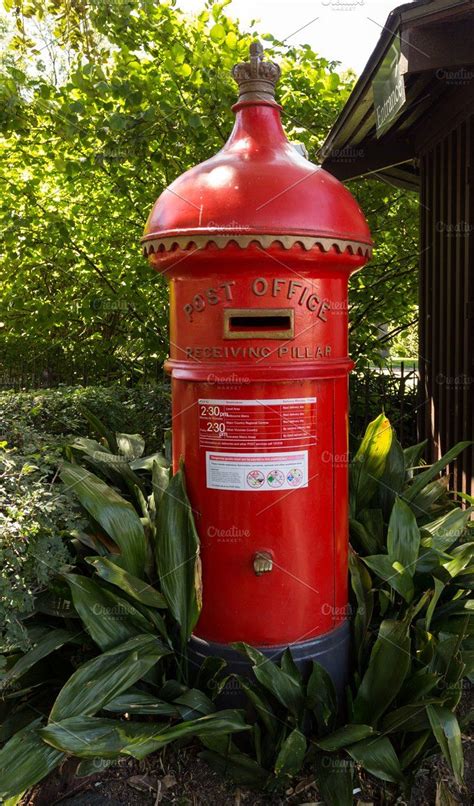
258,245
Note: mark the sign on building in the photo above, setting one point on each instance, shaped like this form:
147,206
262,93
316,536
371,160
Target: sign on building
389,88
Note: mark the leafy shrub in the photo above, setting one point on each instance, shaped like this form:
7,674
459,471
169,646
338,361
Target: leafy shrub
411,575
34,519
145,409
372,389
35,516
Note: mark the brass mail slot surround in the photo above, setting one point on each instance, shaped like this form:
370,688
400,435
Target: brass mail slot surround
263,323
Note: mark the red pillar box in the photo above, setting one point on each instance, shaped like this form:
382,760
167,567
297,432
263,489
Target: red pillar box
258,244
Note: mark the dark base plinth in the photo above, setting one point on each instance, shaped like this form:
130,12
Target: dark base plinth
331,650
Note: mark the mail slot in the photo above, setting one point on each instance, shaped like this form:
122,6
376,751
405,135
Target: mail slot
247,323
258,244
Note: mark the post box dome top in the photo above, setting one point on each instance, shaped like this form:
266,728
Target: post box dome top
257,188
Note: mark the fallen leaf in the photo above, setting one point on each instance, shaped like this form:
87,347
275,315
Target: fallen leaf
142,783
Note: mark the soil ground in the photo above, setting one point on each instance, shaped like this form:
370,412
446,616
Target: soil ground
178,776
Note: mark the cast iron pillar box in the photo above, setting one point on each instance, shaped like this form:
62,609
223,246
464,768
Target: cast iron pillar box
258,244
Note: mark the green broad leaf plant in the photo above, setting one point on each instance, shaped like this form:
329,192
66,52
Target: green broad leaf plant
126,606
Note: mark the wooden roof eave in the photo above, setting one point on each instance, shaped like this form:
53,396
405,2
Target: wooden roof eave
354,129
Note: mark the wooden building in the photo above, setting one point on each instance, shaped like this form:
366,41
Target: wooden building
409,121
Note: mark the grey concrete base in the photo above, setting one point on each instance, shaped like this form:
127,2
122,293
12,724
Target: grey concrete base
331,650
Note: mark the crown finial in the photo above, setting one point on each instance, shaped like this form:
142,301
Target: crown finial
256,78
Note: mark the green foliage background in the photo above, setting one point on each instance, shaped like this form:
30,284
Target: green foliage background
35,516
103,104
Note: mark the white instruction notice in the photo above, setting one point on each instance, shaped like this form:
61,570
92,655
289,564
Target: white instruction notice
257,472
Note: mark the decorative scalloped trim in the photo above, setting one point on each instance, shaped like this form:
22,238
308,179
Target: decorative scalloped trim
186,242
